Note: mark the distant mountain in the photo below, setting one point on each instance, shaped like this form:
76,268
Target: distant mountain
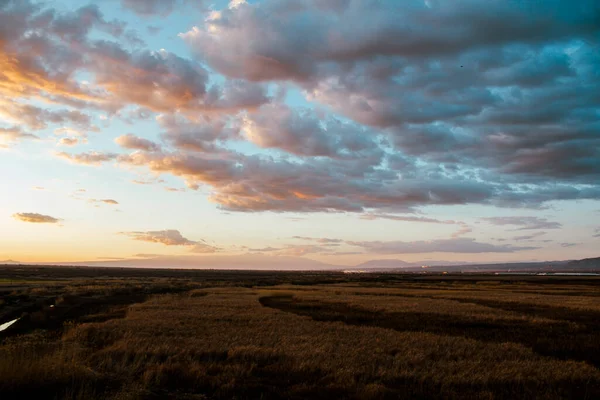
586,263
282,263
399,264
246,262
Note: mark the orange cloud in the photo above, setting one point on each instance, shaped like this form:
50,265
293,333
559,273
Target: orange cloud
35,218
109,201
304,196
15,134
22,77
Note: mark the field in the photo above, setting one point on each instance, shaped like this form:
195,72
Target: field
93,333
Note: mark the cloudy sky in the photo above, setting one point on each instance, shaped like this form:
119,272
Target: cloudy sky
337,130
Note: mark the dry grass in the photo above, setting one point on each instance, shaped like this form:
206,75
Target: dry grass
349,340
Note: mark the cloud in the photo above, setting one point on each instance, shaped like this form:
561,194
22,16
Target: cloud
300,250
203,248
147,182
14,134
568,244
318,240
171,237
43,53
67,141
153,30
37,118
440,84
463,230
298,42
301,132
252,183
105,201
529,237
410,105
596,232
456,245
70,132
342,253
372,216
524,222
168,237
265,249
131,141
36,218
258,183
34,64
195,136
89,158
150,7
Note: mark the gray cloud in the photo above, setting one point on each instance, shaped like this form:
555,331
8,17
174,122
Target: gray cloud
251,183
265,249
513,103
281,42
372,216
89,158
529,237
319,240
524,222
150,7
37,118
412,104
301,132
195,136
568,244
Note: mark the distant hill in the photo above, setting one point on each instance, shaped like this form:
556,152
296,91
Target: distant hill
239,262
401,264
586,263
281,263
9,262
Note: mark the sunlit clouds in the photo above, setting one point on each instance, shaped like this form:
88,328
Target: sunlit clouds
35,218
172,238
238,120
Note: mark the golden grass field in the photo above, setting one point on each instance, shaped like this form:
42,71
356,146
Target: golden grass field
300,336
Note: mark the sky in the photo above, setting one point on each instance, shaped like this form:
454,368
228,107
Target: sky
339,131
